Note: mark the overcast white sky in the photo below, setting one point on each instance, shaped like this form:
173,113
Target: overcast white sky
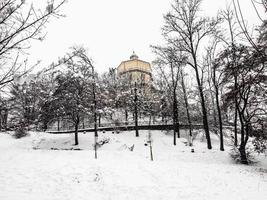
112,29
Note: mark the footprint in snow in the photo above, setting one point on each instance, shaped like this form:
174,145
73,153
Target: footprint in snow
75,179
97,178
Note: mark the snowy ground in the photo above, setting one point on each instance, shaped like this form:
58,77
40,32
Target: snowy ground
30,170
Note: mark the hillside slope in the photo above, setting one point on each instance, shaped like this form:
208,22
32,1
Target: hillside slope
30,170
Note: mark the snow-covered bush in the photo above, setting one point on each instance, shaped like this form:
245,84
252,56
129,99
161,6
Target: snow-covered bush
102,141
20,132
260,137
235,154
260,145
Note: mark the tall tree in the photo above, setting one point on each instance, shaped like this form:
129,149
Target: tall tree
74,88
169,61
216,78
185,29
251,92
229,37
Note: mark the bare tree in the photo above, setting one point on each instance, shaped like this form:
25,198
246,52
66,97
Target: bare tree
185,29
244,26
235,34
216,79
20,23
169,62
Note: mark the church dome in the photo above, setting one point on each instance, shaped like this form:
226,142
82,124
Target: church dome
133,56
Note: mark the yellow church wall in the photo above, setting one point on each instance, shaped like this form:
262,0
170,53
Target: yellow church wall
133,65
135,70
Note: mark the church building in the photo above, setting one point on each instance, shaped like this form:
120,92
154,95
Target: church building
135,70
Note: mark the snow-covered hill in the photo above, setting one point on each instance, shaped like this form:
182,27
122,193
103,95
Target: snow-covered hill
31,170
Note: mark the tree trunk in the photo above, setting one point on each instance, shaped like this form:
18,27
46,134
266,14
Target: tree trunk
58,124
243,155
0,121
95,118
83,123
187,109
99,120
126,116
220,118
214,114
150,140
95,129
76,132
216,87
236,114
5,120
136,111
242,147
175,117
201,94
163,118
178,122
204,110
45,126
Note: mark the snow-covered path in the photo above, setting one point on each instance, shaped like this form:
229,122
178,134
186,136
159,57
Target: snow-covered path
118,173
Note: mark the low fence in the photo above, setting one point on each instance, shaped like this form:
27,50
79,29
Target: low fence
130,128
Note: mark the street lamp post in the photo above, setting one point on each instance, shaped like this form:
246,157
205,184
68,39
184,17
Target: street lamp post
95,114
136,110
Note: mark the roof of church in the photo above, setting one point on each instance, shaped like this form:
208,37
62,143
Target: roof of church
134,57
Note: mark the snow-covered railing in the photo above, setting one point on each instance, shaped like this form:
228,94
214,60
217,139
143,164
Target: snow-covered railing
131,127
